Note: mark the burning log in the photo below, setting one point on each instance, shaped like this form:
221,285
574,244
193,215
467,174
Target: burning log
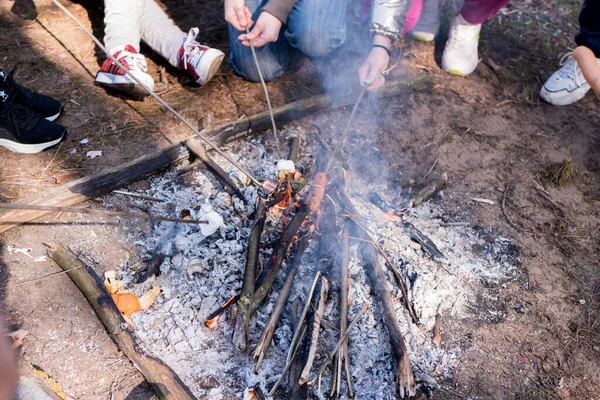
240,335
314,339
163,379
405,380
265,340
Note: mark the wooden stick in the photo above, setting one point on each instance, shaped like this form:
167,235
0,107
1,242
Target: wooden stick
405,380
307,107
314,339
163,379
106,213
333,352
240,334
267,336
296,389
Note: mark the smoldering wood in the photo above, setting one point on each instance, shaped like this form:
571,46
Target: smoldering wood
427,190
267,336
163,379
294,148
245,311
207,163
405,380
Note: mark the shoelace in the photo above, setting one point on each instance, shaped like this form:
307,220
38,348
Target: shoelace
20,116
569,69
134,61
192,50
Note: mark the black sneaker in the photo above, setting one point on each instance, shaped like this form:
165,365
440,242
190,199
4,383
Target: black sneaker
23,131
39,103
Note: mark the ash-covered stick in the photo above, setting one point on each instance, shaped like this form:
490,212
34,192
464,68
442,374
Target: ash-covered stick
405,380
240,334
265,340
298,337
363,233
294,148
341,360
314,339
333,352
296,389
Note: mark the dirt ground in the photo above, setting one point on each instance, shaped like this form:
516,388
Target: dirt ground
488,131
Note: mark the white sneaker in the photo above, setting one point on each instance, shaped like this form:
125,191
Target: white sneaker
460,55
110,75
198,61
567,85
428,25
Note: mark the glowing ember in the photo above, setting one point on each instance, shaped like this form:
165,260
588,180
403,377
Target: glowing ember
391,214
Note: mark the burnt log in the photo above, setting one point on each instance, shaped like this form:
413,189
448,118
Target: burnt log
163,379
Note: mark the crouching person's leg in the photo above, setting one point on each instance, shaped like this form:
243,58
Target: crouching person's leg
273,57
317,27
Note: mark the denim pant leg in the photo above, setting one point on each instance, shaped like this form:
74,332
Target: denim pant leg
317,27
272,58
589,25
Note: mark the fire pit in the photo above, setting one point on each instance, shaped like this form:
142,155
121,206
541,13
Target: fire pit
394,283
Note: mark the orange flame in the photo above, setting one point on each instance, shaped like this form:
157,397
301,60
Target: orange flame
391,215
211,323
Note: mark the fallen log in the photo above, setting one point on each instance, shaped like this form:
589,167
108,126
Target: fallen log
132,171
405,380
163,379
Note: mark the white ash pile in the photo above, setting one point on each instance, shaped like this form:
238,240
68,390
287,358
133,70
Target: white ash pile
202,270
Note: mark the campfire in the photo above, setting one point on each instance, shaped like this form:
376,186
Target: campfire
314,290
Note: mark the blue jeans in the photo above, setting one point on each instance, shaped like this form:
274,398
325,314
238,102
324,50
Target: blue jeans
314,28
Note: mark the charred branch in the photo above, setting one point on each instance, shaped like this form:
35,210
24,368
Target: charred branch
405,381
240,334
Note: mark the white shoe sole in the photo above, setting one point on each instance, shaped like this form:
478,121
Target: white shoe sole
55,117
123,83
29,148
422,36
563,97
209,65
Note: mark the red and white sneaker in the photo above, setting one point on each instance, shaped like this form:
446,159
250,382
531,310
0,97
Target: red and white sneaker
199,62
111,76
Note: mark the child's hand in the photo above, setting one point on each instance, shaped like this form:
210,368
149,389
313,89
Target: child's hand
370,71
266,30
237,14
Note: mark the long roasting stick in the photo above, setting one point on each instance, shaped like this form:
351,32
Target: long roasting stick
156,97
314,339
107,213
